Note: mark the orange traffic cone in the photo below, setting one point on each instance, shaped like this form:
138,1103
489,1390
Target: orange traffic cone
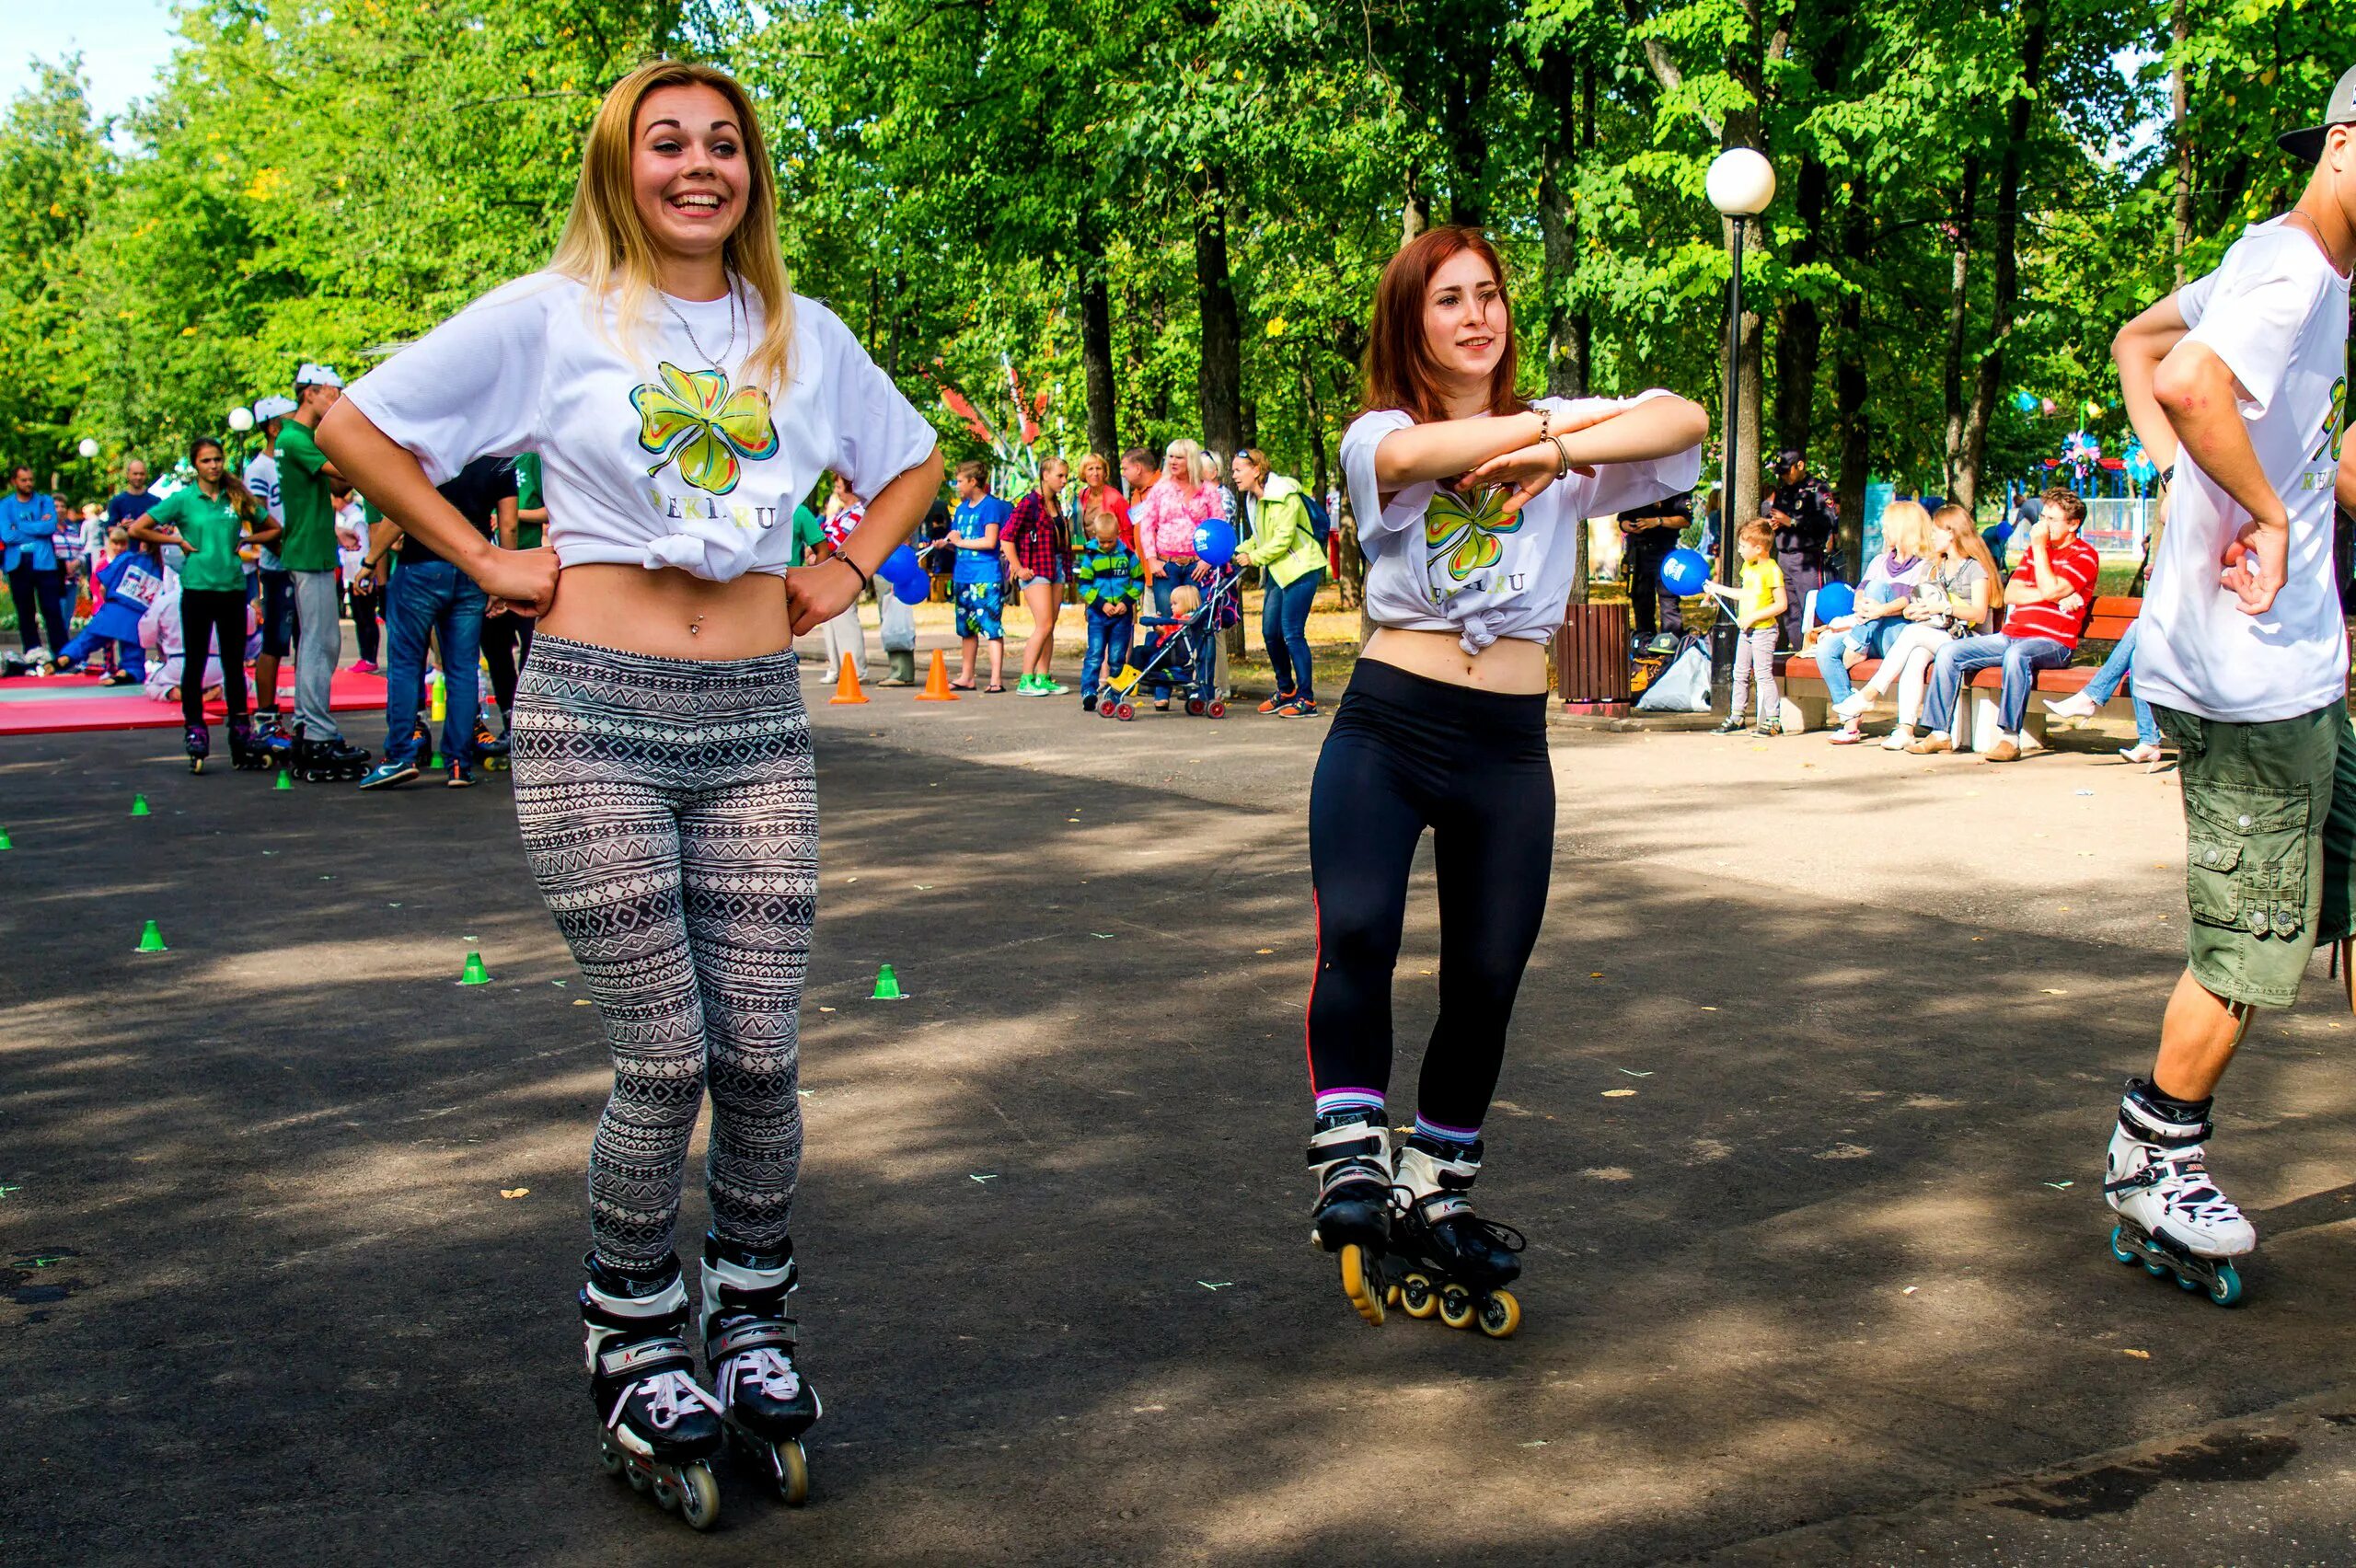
846,689
936,685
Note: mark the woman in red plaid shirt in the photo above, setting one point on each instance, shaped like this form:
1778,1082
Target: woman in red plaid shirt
1042,556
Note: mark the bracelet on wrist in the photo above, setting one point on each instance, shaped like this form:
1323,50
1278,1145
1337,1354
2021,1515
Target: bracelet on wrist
1545,429
1562,456
865,581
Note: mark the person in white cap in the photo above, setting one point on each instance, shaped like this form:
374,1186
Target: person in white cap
2237,384
308,550
276,583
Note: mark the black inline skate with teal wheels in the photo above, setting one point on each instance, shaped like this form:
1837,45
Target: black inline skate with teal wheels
199,742
326,762
1352,1217
661,1427
1445,1261
749,1340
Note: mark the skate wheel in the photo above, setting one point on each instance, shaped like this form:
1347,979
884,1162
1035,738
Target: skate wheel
2157,1271
2184,1283
1217,710
699,1497
2226,1289
1500,1315
640,1480
1391,1295
2119,1247
1358,1282
609,1459
196,764
1456,1307
1415,1294
793,1466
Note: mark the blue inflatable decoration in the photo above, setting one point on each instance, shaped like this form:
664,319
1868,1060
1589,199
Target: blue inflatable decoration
901,564
1214,542
1834,601
2025,401
1683,573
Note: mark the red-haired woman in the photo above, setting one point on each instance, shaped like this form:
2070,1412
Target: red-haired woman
1469,500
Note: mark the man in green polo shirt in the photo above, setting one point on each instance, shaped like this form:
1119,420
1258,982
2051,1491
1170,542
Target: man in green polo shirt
308,549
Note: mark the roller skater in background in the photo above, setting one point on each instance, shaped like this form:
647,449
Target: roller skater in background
2237,385
208,521
661,756
1444,726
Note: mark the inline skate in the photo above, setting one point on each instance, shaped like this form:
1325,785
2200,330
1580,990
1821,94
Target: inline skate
490,749
1444,1258
199,741
2171,1217
326,762
748,1337
659,1427
1347,1150
248,752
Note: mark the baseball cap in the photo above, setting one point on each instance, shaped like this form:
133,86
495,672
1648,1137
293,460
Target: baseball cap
1786,458
2307,145
317,376
269,409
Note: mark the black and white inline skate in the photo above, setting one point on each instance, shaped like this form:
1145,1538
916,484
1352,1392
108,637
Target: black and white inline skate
660,1427
748,1337
2171,1217
1348,1155
326,762
199,741
248,752
489,750
1444,1259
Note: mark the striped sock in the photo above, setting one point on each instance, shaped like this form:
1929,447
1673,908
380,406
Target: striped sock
1427,1127
1334,1099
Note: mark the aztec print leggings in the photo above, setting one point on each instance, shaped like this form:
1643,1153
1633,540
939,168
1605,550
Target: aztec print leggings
670,813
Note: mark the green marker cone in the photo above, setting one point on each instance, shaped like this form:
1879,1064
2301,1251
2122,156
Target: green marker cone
151,939
286,780
887,987
436,763
4,839
474,974
139,808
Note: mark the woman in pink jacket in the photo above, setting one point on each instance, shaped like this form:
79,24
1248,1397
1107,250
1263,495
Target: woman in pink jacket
1165,521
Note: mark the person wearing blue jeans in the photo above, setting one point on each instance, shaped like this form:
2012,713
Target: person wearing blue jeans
1112,580
2087,703
1285,547
428,594
2022,657
1882,598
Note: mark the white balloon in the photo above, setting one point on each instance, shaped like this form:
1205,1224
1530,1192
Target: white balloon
1741,182
241,418
88,448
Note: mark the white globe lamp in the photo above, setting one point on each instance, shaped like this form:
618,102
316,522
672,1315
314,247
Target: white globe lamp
88,448
1740,183
241,419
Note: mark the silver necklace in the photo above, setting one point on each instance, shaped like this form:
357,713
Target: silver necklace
721,365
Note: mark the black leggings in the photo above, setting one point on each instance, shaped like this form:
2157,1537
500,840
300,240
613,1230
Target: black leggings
506,643
1406,753
205,613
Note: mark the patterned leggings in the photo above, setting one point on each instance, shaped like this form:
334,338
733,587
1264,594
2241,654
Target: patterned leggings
670,813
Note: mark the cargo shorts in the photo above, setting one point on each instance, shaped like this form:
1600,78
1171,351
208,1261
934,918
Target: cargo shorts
2269,871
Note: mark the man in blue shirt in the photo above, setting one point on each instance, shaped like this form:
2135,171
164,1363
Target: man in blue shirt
28,555
136,500
980,573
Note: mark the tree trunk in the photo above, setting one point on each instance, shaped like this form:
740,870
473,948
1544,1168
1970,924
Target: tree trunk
1220,378
1754,401
2179,28
1465,96
1958,319
1096,346
2007,264
1800,335
1566,90
1853,419
1414,207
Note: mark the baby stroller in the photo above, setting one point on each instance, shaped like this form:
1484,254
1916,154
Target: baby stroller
1183,656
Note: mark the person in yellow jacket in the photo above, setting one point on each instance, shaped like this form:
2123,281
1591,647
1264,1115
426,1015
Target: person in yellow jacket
1284,546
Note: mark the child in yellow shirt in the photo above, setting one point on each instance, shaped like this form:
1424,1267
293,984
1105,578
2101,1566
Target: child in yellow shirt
1760,603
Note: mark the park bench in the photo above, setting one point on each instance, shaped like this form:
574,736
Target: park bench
1806,700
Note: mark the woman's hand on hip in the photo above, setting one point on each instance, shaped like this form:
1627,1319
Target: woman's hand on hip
817,595
519,581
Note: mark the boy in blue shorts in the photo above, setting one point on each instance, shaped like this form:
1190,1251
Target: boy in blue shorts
980,575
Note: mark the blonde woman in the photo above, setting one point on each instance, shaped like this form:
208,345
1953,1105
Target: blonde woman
1951,601
1166,520
681,397
1097,492
1882,598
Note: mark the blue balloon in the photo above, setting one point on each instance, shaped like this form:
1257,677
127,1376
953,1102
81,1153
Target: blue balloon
1683,573
913,589
1214,542
1834,601
901,563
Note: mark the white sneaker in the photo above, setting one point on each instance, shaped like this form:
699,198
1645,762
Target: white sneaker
2076,706
1899,739
2165,1187
1853,705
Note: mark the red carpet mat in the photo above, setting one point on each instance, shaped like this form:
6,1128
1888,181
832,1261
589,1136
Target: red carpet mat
30,704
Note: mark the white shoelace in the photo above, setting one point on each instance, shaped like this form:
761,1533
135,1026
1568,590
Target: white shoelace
669,1396
766,1367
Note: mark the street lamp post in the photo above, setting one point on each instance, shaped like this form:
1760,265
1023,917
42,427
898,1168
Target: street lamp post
1741,185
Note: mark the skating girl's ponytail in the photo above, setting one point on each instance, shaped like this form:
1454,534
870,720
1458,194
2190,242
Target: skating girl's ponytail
241,500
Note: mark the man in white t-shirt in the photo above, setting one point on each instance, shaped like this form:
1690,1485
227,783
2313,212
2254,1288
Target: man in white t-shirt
2238,386
275,583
